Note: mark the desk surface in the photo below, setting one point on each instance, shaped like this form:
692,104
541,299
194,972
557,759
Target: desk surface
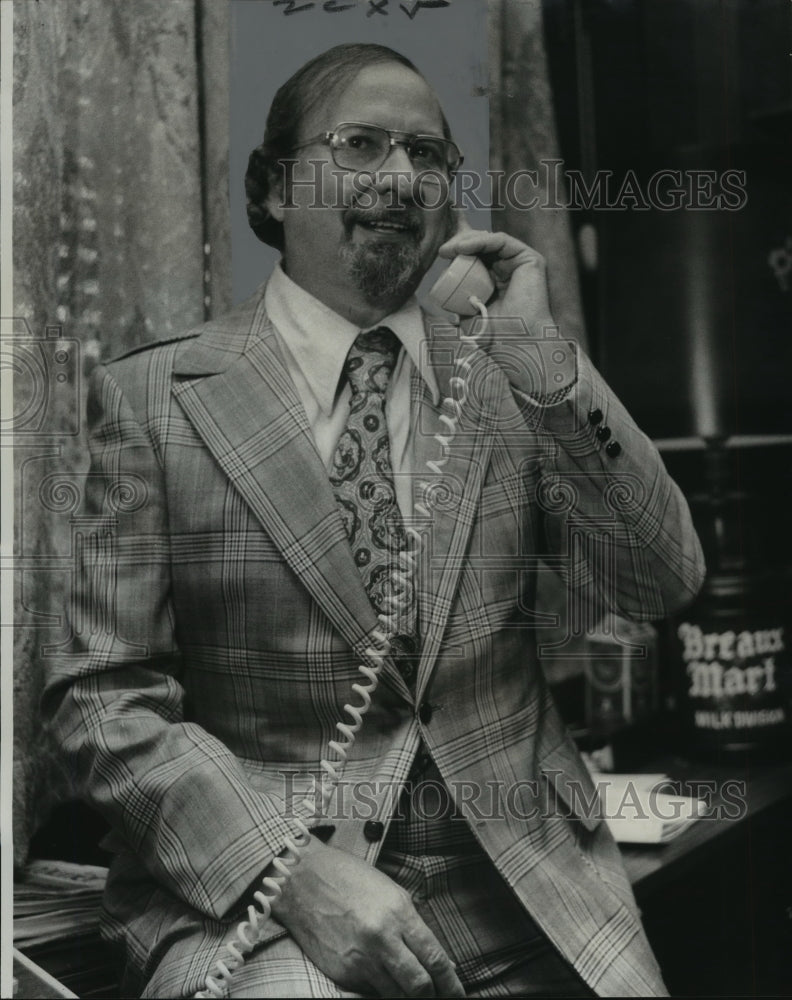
742,794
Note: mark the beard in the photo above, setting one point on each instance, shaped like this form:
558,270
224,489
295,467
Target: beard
386,271
383,271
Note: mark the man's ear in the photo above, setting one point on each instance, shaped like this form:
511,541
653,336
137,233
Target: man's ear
264,190
275,200
460,221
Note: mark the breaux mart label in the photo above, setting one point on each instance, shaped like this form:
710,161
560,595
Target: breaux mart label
733,677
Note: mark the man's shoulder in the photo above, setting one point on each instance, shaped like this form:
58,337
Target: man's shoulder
228,333
156,345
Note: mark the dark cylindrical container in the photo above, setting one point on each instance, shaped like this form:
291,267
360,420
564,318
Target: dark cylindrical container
731,647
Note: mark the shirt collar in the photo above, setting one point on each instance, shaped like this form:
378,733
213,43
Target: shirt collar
319,339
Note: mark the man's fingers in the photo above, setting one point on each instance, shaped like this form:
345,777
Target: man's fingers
432,957
446,981
500,246
413,979
384,985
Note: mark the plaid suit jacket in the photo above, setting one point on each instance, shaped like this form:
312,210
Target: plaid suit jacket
220,619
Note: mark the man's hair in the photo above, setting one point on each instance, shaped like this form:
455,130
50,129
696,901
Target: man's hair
321,79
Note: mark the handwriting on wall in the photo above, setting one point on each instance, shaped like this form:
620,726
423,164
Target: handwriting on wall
371,7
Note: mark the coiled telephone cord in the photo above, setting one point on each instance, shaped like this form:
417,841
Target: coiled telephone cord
248,932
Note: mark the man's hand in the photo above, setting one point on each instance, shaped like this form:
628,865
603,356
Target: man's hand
520,278
361,929
519,273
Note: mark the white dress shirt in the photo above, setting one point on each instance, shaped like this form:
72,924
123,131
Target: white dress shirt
315,342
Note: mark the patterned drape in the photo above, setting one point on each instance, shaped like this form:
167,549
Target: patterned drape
121,235
523,136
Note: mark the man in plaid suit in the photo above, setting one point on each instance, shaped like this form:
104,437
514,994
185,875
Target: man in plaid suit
219,630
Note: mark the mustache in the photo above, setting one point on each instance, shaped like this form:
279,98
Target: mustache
407,215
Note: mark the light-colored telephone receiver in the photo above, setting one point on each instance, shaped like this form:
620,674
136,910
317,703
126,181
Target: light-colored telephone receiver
465,278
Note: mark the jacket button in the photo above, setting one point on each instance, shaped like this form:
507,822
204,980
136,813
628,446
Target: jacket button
373,830
425,713
595,416
613,448
403,651
603,433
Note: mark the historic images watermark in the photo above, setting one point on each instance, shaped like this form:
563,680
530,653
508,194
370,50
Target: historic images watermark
525,800
548,186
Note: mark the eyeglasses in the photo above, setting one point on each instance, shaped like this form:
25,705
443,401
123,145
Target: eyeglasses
359,146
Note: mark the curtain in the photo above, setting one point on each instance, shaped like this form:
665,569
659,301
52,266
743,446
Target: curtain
522,137
121,236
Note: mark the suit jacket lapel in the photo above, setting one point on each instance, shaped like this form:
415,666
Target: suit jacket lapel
453,493
236,391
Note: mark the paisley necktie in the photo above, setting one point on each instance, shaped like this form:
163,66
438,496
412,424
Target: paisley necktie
362,478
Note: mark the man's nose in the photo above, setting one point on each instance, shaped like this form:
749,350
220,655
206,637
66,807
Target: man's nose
397,173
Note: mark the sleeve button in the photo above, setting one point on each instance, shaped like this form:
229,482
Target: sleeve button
613,449
373,830
603,433
595,416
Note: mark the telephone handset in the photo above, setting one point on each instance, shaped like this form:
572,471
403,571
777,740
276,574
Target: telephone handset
463,288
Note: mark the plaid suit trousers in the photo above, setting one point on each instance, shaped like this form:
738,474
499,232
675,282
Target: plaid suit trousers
431,852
